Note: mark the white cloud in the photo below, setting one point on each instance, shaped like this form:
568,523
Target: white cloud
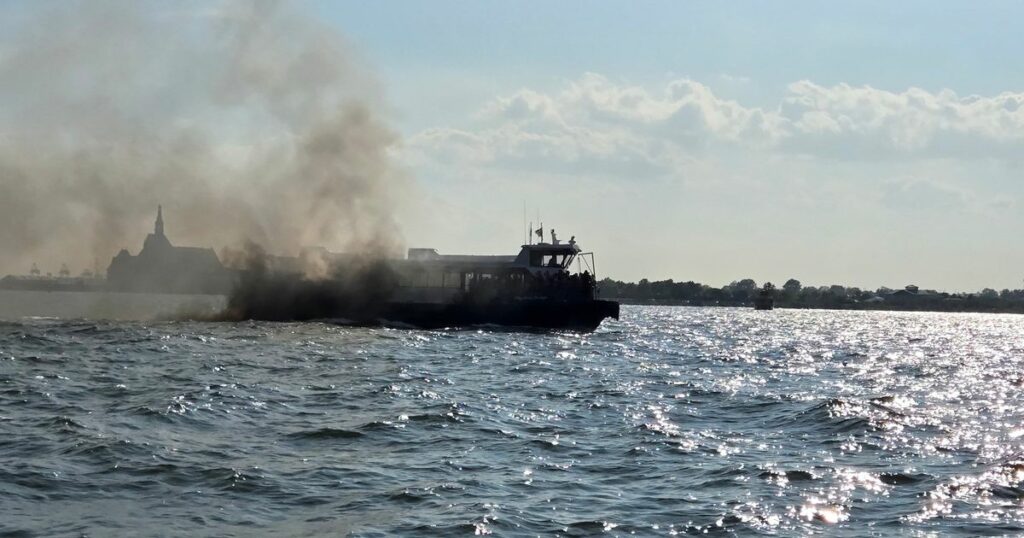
596,124
832,178
864,122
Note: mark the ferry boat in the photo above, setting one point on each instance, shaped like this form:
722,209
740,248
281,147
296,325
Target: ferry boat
537,288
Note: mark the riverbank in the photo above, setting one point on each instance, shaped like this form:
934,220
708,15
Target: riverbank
956,306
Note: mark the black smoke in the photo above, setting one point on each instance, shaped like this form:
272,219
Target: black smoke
355,290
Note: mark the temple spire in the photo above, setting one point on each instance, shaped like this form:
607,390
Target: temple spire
159,229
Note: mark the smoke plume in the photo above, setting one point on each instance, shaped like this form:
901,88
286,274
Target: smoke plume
356,290
244,119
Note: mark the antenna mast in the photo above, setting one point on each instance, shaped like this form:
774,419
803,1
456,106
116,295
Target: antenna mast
524,222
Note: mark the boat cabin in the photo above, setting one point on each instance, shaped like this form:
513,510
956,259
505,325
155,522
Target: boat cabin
544,257
542,269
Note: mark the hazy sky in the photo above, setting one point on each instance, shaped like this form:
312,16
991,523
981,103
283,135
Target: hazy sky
869,143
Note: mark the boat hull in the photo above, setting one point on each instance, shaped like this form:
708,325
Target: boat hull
524,313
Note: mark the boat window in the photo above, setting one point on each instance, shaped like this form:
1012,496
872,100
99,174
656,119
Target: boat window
554,260
453,280
539,259
428,279
413,279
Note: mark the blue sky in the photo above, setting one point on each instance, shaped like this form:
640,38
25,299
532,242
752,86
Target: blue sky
933,45
876,202
467,50
866,143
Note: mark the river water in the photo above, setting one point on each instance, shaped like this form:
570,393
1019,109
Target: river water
671,421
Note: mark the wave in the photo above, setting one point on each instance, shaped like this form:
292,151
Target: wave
326,434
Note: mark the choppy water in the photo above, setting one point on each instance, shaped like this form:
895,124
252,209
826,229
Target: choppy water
673,421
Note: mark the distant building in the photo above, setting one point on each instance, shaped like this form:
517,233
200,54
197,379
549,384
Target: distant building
164,268
913,293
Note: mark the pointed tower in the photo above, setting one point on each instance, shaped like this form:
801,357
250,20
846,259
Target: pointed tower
156,242
159,229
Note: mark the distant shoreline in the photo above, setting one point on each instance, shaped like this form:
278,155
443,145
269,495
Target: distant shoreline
792,294
16,304
878,307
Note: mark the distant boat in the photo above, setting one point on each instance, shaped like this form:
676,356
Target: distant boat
765,299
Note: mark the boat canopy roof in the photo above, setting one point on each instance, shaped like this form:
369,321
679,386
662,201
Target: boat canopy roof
530,256
549,248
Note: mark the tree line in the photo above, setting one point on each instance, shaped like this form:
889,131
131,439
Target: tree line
792,294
